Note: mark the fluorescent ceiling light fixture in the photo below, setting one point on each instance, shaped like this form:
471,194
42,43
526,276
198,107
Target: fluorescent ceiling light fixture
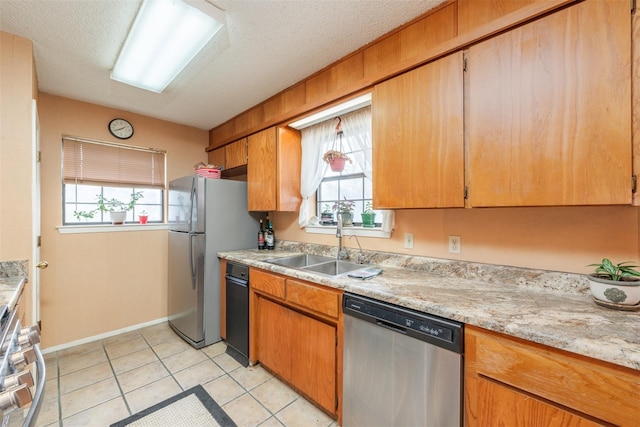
166,35
336,110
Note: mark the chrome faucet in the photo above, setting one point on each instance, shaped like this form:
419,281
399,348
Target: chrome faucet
362,259
342,252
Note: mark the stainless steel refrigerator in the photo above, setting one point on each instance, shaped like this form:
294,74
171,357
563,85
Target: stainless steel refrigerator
205,216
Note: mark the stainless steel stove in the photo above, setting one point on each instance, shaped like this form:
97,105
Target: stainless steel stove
22,371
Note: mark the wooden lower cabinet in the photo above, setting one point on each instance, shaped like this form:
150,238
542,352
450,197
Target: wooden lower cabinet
299,344
512,382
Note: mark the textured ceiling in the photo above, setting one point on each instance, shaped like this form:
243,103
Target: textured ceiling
265,47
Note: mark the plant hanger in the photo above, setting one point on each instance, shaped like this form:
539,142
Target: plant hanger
336,156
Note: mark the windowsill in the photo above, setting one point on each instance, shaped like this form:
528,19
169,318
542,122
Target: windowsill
349,231
108,228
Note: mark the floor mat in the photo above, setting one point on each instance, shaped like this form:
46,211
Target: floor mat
193,407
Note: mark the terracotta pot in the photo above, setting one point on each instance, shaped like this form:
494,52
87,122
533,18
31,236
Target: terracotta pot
624,292
337,164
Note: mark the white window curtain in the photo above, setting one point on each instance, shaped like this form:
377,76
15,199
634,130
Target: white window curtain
317,139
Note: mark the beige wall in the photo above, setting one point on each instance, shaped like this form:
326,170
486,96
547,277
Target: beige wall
17,89
552,238
100,282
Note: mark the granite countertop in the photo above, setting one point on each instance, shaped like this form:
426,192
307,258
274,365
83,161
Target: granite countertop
549,308
10,289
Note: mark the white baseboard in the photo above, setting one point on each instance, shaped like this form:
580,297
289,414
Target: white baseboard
103,336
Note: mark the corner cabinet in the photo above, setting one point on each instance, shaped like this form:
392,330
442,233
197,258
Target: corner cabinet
296,333
418,137
513,382
273,170
549,110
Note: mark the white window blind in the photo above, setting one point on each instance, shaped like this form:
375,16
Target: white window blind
102,163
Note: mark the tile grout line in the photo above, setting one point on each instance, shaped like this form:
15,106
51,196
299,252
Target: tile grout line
126,403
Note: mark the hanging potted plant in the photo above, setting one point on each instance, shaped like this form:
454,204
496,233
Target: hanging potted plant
615,285
345,211
368,216
336,158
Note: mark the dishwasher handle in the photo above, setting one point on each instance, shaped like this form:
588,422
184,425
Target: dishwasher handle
391,326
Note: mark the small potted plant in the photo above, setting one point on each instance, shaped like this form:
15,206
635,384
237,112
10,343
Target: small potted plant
143,217
615,285
368,216
345,211
326,217
116,208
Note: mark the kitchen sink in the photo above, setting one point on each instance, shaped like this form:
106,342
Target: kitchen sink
318,264
300,261
334,268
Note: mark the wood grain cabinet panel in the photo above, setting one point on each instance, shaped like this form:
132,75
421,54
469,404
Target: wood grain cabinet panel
549,113
313,297
268,283
418,138
300,338
236,154
273,170
504,374
473,13
216,157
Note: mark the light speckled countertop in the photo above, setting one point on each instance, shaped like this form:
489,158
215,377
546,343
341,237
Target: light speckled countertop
550,308
10,290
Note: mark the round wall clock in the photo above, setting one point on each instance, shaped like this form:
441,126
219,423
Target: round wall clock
120,128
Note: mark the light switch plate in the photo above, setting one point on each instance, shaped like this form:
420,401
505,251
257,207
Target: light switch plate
455,244
408,240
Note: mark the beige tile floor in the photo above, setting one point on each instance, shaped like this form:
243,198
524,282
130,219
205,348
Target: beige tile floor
102,382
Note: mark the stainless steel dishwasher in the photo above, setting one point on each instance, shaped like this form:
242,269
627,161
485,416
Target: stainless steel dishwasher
402,368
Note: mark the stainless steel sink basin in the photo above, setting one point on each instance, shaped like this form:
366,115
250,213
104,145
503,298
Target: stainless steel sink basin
318,264
334,268
300,261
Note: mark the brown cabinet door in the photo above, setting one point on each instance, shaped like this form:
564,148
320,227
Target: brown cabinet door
499,405
236,154
216,157
261,171
274,337
273,170
549,113
313,360
418,138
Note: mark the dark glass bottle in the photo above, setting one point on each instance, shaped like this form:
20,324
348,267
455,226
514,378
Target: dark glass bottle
261,240
270,237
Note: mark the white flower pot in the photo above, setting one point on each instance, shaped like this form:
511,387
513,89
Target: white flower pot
118,217
623,292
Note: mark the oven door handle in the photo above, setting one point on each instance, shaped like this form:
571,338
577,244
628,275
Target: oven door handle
34,410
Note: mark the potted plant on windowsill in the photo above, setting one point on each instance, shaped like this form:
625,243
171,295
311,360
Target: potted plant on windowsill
326,217
116,208
345,211
368,216
143,217
615,285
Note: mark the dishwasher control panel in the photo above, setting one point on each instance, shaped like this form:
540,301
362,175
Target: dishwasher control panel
435,330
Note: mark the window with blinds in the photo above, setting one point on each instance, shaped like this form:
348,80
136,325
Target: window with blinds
95,169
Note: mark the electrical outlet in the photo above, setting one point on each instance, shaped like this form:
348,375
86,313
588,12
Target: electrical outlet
455,244
408,240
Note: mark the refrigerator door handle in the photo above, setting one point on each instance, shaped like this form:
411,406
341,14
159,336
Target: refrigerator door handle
194,198
192,260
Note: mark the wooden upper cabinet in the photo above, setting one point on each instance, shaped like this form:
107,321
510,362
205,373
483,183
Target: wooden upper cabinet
418,137
549,115
473,13
216,157
273,170
236,154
